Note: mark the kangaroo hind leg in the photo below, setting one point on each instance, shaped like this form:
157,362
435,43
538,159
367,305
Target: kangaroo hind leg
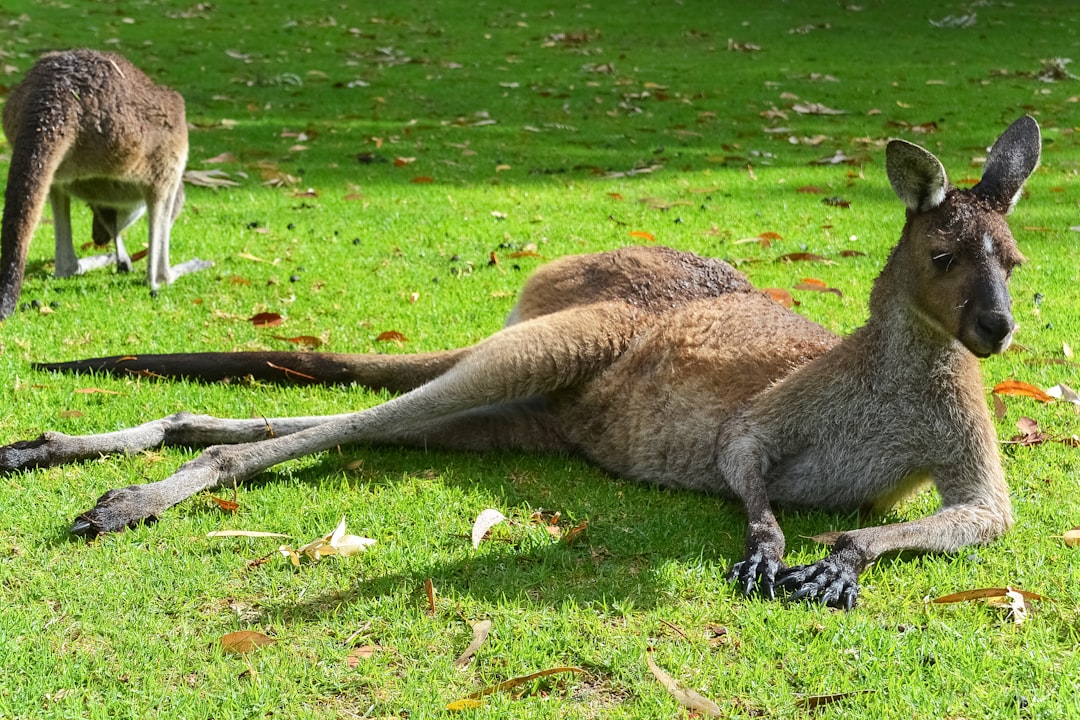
498,381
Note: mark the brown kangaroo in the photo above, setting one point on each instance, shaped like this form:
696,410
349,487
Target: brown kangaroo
668,368
92,126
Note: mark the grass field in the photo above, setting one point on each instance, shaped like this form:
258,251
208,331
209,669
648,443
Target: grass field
403,167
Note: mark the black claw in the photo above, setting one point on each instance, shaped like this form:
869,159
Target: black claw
83,528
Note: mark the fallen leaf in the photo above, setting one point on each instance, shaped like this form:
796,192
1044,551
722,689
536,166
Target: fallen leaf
209,178
93,390
1021,389
1072,537
1064,393
852,253
354,656
809,190
225,157
486,520
429,590
999,407
817,286
808,108
643,235
391,336
575,532
480,633
781,296
225,504
422,179
836,201
245,533
982,593
266,319
244,641
465,704
524,680
70,414
689,699
303,340
803,257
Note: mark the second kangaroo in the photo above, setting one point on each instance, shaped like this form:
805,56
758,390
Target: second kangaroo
670,368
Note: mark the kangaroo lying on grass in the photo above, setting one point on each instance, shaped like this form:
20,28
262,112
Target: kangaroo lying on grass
670,368
92,126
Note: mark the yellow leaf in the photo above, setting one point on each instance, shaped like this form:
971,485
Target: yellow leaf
243,641
689,699
464,704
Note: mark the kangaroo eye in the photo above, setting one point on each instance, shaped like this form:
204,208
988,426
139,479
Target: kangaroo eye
942,261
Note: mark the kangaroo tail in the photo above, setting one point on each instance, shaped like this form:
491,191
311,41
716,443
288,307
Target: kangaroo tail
39,142
396,373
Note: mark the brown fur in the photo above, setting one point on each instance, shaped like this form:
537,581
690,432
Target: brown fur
669,368
90,125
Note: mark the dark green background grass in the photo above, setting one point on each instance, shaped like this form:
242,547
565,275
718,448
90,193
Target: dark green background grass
533,123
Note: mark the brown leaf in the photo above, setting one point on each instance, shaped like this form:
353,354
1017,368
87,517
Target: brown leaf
1072,537
643,235
70,414
836,201
266,319
1021,389
781,296
803,257
226,504
422,179
817,286
809,190
982,593
999,406
689,699
303,340
573,533
391,336
429,590
851,253
480,633
244,641
353,658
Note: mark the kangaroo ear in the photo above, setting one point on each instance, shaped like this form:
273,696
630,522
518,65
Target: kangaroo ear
1011,161
916,175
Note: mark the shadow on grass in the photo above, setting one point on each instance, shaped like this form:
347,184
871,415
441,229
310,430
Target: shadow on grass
638,542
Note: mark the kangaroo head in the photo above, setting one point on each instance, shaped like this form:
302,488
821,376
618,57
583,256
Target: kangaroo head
956,252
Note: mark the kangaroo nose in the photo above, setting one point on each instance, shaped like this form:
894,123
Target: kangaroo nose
994,328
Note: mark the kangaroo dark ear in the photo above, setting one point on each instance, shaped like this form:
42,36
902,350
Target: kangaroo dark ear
916,175
1011,161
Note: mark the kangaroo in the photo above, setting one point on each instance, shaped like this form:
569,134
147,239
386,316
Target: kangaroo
669,368
90,125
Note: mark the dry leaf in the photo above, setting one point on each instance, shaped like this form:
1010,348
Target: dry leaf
484,522
805,108
209,178
781,296
817,286
642,235
803,257
225,157
689,699
266,319
93,390
303,340
1072,537
429,590
245,533
982,593
575,532
524,680
391,336
1021,389
353,658
244,641
480,633
1063,393
226,504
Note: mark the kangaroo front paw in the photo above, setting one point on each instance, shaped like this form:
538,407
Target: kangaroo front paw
757,572
116,510
830,581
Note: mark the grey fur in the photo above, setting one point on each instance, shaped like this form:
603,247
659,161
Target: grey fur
668,368
90,125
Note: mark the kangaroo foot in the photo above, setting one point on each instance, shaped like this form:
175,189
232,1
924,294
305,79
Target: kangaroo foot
757,571
116,510
831,581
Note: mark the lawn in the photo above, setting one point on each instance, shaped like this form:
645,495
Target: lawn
394,172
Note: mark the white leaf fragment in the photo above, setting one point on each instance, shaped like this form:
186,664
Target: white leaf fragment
485,521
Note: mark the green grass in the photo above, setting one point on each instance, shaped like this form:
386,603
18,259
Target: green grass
127,626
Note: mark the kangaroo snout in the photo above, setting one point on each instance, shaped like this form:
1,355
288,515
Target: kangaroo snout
992,332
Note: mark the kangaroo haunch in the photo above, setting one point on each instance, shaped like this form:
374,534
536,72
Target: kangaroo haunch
90,125
670,368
